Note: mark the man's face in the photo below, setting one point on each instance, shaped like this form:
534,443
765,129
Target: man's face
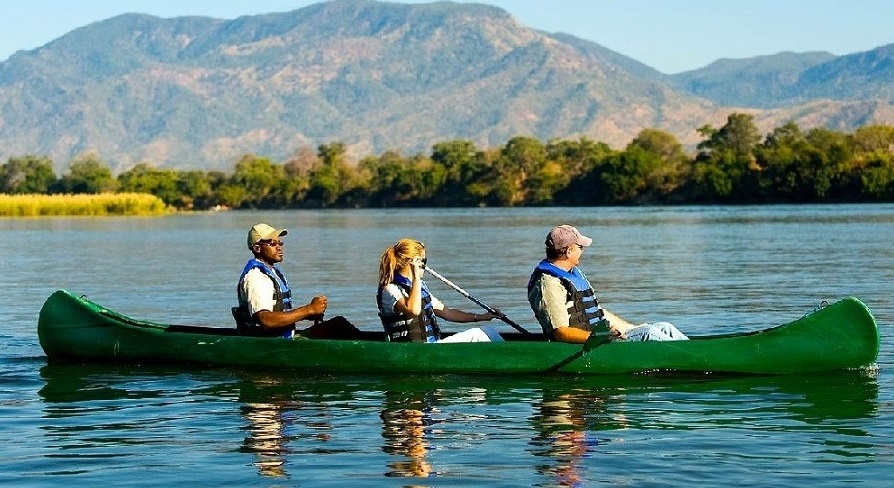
270,250
574,253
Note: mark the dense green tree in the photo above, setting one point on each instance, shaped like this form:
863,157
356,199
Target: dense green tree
426,178
522,160
739,135
87,174
625,174
195,188
231,195
27,174
873,138
332,154
662,144
877,177
731,165
780,160
162,183
458,157
578,157
385,178
581,161
259,177
725,160
831,165
464,167
661,180
333,178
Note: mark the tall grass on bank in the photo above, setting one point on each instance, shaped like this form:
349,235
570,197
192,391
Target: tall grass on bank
81,205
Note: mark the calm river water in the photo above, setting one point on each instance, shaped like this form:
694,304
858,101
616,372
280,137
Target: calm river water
707,269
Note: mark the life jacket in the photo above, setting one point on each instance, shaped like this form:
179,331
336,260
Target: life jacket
282,301
401,328
584,310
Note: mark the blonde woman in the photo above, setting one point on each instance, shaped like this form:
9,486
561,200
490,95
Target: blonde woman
408,310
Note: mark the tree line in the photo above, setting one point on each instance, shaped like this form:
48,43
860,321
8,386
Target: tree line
733,164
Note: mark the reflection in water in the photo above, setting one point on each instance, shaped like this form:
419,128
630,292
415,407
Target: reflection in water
565,423
272,414
406,419
573,421
562,433
419,419
266,436
281,423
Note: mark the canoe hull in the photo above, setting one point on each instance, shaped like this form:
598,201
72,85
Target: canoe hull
843,335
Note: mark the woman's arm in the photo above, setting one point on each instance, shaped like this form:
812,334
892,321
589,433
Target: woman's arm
412,305
460,316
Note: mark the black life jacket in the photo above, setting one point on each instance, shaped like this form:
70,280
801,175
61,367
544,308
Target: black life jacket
400,327
584,310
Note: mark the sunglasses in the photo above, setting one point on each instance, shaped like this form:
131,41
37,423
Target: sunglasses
272,243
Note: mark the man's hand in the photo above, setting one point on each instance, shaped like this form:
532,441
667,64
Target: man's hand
318,305
617,332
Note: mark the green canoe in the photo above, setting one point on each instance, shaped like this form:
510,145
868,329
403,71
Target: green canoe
842,335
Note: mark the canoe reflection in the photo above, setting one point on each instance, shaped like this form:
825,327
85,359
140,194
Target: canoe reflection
283,423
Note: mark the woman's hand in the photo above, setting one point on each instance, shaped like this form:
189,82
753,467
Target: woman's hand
485,317
417,267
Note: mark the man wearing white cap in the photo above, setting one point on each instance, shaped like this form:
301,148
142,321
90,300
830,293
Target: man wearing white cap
265,299
565,303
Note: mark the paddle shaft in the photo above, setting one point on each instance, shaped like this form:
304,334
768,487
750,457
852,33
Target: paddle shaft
596,339
483,305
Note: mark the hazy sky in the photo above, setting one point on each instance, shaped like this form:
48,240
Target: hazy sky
669,35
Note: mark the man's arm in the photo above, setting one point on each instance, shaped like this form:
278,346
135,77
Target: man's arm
259,289
553,309
276,320
571,334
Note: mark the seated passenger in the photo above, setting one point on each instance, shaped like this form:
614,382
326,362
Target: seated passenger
565,303
408,310
265,298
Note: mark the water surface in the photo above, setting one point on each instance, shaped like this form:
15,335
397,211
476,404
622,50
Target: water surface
706,269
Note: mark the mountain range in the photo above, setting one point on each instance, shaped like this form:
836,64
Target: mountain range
197,92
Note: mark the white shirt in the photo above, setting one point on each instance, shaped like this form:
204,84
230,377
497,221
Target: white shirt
258,290
392,293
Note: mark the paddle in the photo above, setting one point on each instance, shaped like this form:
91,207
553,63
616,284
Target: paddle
483,305
595,340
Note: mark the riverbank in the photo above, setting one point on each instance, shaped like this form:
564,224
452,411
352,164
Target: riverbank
103,204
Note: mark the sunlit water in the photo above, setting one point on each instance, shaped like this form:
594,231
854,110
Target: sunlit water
706,269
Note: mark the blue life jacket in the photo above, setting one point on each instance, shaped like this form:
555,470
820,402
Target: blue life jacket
282,300
401,328
584,310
